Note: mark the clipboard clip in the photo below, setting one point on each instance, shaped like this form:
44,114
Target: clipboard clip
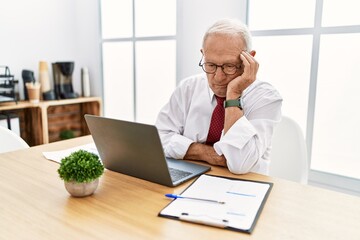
204,219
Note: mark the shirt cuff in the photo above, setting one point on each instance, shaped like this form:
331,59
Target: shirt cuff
237,136
178,146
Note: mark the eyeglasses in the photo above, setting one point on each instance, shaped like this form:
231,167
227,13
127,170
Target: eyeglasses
211,68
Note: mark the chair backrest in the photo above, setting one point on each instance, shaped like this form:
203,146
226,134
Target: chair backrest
10,141
289,153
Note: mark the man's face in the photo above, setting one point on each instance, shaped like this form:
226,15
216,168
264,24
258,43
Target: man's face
222,49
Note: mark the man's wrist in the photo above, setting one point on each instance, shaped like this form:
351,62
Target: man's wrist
233,92
236,102
232,96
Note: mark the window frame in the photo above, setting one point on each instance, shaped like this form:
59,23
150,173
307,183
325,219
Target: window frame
133,39
316,178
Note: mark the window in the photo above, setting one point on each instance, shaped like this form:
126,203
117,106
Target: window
281,14
337,98
309,50
340,13
138,55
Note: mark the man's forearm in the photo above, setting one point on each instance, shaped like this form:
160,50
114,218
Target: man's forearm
199,151
232,114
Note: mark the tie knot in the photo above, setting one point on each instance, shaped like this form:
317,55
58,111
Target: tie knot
220,100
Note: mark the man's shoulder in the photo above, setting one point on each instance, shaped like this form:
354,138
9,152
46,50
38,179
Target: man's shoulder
263,88
196,79
260,84
192,85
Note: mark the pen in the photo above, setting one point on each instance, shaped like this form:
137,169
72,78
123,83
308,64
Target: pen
221,223
199,199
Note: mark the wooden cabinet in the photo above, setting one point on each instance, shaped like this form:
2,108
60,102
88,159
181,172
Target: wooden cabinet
43,122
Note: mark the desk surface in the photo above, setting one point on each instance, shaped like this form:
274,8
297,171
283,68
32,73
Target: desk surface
35,205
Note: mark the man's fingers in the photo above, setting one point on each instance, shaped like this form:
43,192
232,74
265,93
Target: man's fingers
250,65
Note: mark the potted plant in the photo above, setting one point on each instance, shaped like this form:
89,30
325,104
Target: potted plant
81,171
66,134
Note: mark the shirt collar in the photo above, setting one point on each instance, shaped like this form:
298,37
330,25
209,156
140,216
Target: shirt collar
211,93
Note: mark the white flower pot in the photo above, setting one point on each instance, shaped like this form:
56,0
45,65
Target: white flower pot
81,189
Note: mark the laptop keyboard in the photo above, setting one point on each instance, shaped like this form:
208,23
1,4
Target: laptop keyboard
177,174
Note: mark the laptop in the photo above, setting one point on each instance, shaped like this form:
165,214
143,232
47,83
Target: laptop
135,149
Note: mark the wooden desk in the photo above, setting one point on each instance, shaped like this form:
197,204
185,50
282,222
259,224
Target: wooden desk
35,205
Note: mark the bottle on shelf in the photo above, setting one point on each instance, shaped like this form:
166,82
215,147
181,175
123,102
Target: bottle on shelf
44,79
85,82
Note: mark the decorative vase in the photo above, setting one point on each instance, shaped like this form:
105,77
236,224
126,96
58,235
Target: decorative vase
81,189
44,77
85,82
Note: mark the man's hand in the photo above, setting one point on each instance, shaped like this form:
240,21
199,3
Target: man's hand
202,152
240,83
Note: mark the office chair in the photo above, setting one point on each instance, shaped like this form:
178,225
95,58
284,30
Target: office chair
10,141
289,153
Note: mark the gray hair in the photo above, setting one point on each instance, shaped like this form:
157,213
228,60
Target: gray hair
231,27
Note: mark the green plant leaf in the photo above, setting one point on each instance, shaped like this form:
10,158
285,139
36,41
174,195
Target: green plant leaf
80,166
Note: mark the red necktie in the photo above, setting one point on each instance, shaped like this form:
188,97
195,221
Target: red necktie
217,122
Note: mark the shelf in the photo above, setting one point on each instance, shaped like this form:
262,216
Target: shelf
42,122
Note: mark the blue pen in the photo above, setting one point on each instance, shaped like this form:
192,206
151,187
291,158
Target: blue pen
191,198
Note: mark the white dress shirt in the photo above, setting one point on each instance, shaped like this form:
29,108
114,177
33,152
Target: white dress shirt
246,145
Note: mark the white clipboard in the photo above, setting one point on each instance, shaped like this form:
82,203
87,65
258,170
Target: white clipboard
244,201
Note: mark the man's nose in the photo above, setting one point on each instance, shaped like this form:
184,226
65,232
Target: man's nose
219,74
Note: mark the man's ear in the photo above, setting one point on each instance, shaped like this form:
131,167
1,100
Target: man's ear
252,53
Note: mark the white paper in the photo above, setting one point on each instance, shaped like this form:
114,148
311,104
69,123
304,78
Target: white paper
242,199
58,155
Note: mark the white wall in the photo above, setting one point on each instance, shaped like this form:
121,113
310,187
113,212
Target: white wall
51,31
194,17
